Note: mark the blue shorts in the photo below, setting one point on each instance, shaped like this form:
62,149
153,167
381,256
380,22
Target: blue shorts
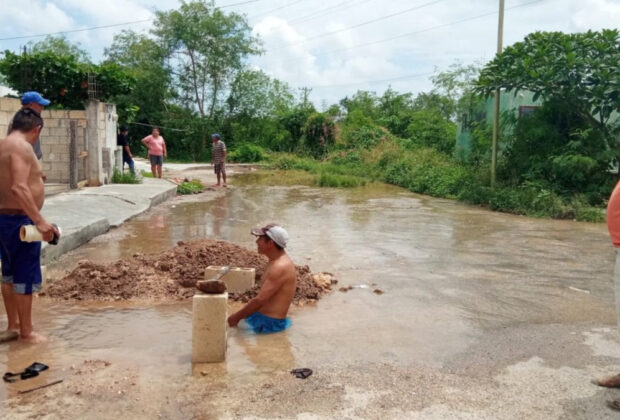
21,261
263,324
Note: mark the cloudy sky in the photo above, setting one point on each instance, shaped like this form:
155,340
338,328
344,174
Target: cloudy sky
334,47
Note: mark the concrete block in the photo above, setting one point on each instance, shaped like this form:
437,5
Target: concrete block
11,105
77,114
60,131
237,280
4,118
209,315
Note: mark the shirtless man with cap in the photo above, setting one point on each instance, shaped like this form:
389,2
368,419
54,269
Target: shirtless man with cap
21,200
266,313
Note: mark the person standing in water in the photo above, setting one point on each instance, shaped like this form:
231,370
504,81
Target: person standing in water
21,199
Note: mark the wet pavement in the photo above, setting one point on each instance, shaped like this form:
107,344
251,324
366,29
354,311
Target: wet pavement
483,315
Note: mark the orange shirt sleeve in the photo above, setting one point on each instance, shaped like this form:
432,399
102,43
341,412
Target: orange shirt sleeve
613,216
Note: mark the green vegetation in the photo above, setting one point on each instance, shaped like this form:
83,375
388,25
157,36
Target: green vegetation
119,177
190,187
190,77
146,174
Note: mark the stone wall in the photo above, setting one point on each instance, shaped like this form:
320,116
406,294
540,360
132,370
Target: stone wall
95,137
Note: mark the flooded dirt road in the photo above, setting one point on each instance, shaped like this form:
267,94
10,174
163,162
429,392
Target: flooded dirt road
482,315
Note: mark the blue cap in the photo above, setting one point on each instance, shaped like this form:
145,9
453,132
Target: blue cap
215,136
32,96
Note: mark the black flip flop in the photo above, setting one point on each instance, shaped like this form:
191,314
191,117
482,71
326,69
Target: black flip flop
301,373
30,372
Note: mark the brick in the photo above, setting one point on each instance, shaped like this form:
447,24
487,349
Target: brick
209,335
60,131
237,280
76,114
10,105
59,113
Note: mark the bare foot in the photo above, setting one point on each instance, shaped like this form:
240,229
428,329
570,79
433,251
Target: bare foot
224,185
609,381
33,338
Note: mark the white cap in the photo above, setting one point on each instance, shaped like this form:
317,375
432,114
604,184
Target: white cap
277,233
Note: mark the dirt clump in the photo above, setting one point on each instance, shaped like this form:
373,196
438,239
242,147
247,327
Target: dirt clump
172,275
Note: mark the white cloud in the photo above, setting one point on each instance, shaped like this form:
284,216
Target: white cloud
440,34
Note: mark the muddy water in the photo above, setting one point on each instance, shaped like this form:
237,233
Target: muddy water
449,275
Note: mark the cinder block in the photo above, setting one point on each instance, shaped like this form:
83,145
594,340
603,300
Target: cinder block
77,114
237,280
11,105
209,316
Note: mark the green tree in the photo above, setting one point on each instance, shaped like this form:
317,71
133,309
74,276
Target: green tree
580,70
145,60
63,78
59,45
207,47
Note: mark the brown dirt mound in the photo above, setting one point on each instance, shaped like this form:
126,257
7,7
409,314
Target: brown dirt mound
172,275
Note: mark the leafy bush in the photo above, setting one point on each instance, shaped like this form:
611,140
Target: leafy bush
247,153
119,177
430,129
327,179
190,187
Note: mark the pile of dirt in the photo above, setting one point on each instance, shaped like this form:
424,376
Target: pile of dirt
172,275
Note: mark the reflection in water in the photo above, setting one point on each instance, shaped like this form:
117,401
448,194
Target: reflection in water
448,272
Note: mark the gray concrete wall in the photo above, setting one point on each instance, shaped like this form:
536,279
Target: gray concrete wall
96,131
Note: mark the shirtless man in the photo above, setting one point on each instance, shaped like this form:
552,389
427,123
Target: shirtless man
266,313
21,199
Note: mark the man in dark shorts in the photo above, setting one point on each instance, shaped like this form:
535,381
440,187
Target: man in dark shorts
123,140
218,158
21,199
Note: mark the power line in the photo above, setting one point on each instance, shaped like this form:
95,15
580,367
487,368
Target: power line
76,30
276,9
317,14
92,28
236,4
368,22
408,34
370,82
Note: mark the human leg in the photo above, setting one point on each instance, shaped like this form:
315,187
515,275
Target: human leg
10,306
132,167
24,310
159,171
21,272
223,174
217,169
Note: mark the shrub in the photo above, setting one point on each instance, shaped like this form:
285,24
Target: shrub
339,181
190,187
119,177
247,153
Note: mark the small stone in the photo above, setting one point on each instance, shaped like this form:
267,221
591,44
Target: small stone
204,373
378,291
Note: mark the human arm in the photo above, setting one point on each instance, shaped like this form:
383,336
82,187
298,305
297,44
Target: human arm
164,145
21,167
128,151
145,141
273,279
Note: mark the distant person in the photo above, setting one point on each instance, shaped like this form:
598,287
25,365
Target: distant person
21,198
33,100
157,151
613,226
266,313
123,140
218,158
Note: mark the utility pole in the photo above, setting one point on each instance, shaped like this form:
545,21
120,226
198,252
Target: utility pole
500,35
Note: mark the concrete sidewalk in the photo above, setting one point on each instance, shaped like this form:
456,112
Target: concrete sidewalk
89,212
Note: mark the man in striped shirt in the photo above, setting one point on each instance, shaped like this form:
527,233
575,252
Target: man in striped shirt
218,158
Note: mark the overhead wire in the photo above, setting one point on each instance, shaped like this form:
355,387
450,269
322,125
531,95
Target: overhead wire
276,9
320,13
408,34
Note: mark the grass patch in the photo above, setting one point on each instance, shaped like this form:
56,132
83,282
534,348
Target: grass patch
119,177
191,187
146,174
339,181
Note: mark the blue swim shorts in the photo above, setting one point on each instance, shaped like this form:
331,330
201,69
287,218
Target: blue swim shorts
263,324
21,261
